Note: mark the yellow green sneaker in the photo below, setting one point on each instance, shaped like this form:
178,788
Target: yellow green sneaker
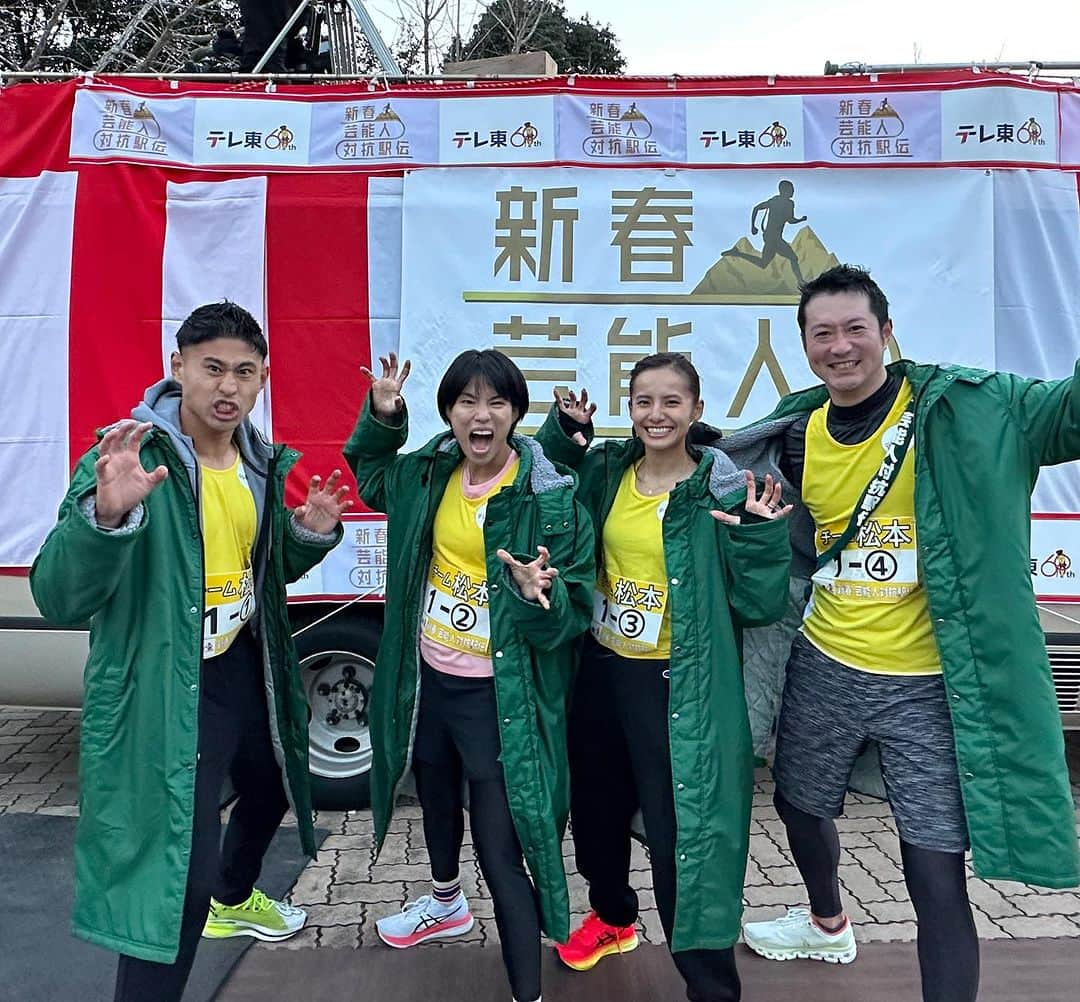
259,916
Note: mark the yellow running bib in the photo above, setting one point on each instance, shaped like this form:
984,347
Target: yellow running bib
630,603
455,612
229,521
868,606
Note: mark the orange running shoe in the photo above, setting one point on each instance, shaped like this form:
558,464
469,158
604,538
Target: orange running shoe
593,940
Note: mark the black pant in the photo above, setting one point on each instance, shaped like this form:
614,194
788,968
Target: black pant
234,741
620,761
263,20
936,882
457,741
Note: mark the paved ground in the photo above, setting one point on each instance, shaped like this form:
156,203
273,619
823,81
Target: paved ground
345,890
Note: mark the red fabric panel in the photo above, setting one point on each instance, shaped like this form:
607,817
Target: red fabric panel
115,328
35,127
317,305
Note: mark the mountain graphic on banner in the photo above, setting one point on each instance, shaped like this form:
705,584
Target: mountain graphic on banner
736,275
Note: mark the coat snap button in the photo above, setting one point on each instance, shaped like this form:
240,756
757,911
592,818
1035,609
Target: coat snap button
674,716
498,654
674,581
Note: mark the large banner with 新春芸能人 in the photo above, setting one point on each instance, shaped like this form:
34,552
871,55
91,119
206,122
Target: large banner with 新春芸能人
577,275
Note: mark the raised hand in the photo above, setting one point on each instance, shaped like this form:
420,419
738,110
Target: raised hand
121,480
768,506
577,409
386,398
325,504
533,578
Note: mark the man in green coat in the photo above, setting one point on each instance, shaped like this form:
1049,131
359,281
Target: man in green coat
921,633
174,542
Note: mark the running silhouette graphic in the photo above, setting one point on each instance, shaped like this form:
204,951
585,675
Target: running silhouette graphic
779,212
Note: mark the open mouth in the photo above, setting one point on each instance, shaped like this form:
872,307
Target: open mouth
657,431
225,411
480,441
846,366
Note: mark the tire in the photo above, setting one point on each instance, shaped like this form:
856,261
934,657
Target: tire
337,665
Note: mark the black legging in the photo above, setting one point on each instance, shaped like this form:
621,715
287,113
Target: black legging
936,882
234,741
457,739
620,761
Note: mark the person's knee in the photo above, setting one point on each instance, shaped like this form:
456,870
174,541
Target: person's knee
789,813
936,880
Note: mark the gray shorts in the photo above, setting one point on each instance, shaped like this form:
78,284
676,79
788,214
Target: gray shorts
828,716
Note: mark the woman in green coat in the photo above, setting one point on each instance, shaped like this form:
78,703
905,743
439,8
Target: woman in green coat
688,555
489,582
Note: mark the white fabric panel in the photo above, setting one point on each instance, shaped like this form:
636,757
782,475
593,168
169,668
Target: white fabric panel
215,248
384,265
1037,295
37,217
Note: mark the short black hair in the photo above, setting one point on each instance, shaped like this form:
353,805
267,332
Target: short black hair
491,367
669,360
844,278
224,319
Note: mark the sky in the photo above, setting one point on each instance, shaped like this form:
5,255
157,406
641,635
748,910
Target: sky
797,37
791,37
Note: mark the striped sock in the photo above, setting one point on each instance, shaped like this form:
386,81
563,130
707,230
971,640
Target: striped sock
445,891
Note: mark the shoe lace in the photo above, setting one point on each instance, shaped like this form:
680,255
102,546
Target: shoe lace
419,904
259,902
594,928
795,916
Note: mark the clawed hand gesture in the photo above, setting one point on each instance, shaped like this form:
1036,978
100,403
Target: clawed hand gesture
533,578
577,409
122,483
768,506
386,398
325,504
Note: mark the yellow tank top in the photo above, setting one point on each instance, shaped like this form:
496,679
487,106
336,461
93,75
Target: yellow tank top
456,598
868,606
229,520
630,603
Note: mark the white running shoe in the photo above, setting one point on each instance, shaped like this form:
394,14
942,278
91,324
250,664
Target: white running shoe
424,919
796,936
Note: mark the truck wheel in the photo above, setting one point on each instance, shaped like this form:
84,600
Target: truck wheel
337,665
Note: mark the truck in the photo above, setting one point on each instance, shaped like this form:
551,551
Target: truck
574,223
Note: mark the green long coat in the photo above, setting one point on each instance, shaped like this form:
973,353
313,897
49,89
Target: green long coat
142,593
532,647
722,578
980,440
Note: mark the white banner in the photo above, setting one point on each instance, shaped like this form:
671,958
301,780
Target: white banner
118,125
37,218
215,249
355,567
1055,558
578,275
745,130
1011,122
